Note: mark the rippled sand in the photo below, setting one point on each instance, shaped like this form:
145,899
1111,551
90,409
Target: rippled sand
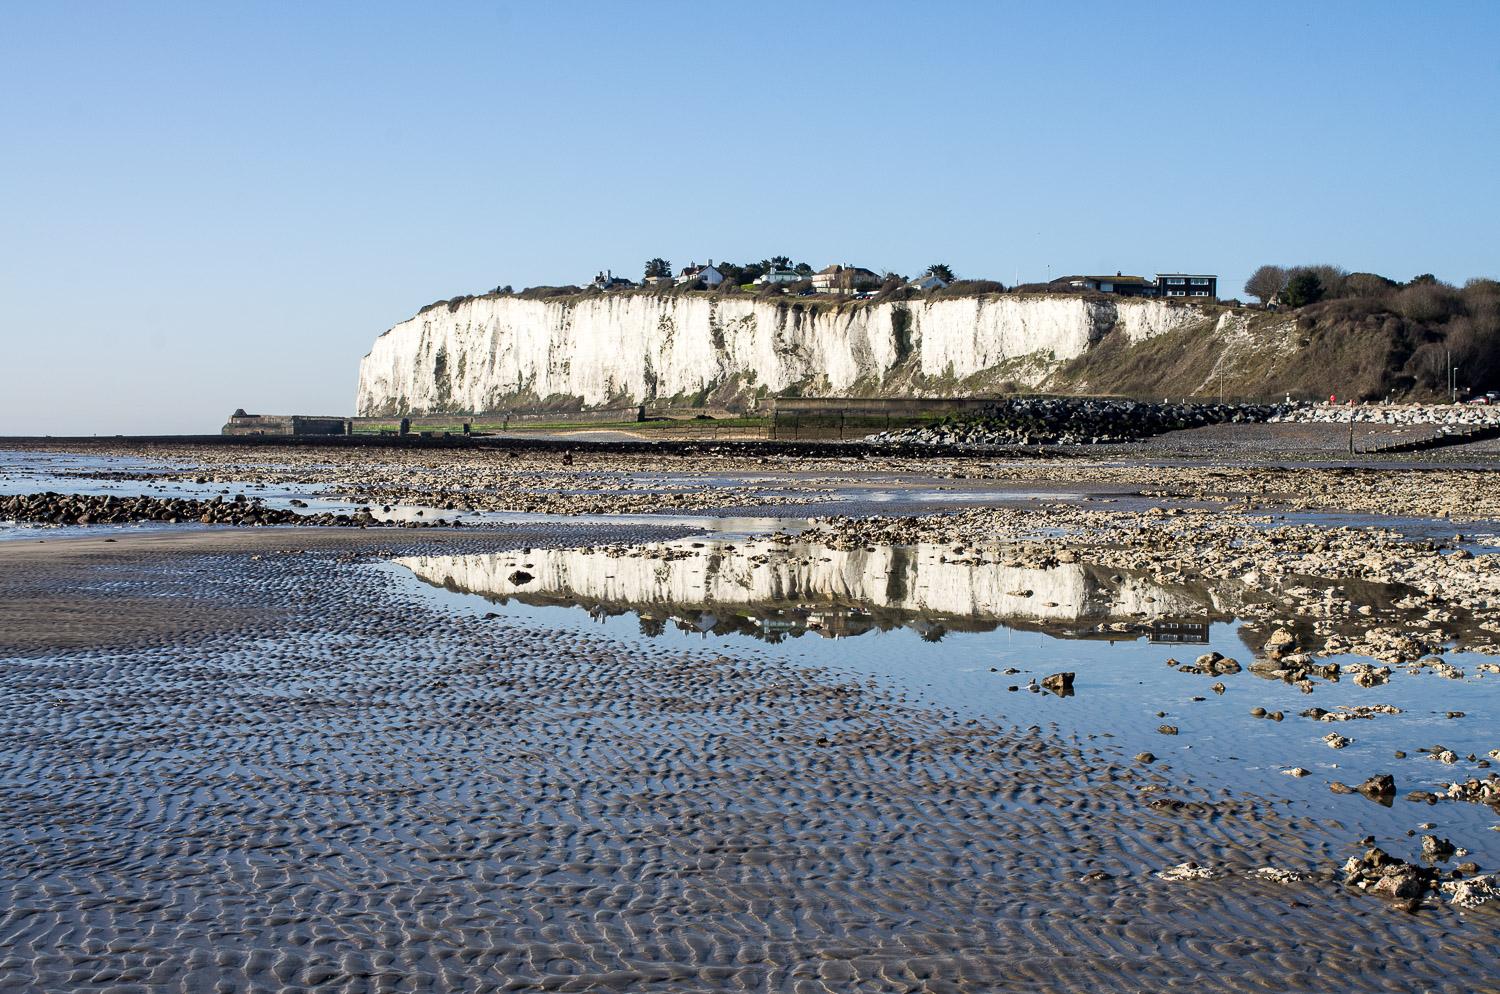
287,774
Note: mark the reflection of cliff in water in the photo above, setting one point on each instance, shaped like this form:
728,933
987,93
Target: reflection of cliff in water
774,589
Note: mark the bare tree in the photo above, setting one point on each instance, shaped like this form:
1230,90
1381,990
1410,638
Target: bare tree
1330,277
1266,282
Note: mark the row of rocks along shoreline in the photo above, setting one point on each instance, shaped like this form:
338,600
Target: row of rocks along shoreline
1072,421
60,509
1075,421
659,480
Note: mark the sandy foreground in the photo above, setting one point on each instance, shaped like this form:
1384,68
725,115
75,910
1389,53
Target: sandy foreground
241,759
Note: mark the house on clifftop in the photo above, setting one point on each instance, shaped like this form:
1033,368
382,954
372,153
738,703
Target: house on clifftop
1165,285
1187,285
607,280
707,275
844,279
1119,284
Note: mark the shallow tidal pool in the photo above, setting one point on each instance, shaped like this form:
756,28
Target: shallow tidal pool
980,638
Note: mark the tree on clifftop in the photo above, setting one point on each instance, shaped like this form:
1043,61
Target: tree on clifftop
941,271
1303,289
658,267
1266,282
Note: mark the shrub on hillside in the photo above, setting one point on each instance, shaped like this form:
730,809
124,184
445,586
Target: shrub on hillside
1368,285
543,292
1303,288
967,288
1428,302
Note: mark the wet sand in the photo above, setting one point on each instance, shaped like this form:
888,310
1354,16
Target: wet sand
279,771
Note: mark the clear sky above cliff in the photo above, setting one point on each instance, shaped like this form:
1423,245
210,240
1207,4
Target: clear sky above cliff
209,206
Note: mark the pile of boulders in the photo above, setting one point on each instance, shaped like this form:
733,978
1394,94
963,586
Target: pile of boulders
1477,791
1073,421
1455,415
102,509
1378,872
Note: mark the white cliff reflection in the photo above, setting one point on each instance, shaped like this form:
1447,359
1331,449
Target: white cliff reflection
772,588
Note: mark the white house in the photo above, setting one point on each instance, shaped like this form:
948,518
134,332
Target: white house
607,280
928,282
692,273
778,276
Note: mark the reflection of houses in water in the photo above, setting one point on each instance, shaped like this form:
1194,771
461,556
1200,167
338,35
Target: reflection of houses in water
838,622
1180,632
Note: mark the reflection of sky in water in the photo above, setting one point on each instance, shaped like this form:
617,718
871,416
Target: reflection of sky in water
1121,683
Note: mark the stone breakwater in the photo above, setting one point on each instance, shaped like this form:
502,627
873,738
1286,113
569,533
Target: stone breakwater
488,353
97,509
1075,421
1392,414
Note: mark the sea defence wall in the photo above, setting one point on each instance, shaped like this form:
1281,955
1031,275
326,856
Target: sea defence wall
610,350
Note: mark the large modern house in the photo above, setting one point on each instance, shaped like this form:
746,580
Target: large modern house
1187,285
844,279
1165,285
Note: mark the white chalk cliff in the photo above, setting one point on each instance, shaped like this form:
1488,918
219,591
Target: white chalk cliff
491,353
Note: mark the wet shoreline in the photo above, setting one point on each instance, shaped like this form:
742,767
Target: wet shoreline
262,758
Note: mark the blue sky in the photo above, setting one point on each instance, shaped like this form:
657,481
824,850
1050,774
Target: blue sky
209,206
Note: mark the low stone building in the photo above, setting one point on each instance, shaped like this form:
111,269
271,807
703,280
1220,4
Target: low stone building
240,423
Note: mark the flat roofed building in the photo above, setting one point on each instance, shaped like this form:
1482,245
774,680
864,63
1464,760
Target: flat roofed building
1118,284
1198,285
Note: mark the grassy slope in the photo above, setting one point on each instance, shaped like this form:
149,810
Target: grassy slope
1261,357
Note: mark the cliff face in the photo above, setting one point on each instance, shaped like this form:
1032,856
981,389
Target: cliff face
489,353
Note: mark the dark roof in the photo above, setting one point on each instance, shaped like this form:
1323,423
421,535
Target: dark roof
1116,279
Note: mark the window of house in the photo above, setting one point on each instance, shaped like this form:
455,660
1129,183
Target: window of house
1200,293
1200,281
1176,293
1174,281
